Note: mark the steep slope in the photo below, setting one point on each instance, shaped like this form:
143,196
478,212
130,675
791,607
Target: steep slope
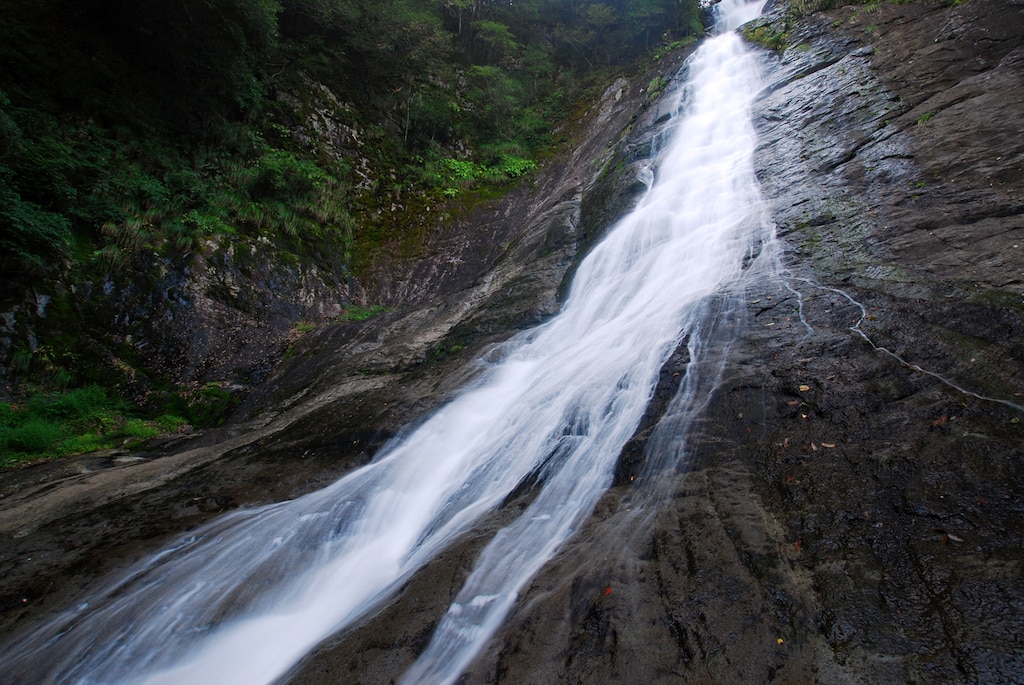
850,514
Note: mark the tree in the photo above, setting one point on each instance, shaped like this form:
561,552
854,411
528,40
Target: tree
458,9
601,19
495,44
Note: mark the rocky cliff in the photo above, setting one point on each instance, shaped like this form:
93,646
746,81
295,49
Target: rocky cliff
851,509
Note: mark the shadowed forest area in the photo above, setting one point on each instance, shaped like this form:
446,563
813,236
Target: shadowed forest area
141,139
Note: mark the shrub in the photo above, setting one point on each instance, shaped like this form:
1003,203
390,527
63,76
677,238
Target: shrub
169,422
73,422
356,313
33,436
212,406
514,167
81,404
139,429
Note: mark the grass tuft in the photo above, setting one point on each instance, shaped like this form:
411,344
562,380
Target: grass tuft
58,424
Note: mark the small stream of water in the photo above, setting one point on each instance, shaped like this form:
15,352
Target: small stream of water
244,599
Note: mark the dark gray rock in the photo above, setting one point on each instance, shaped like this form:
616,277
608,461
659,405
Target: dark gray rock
850,513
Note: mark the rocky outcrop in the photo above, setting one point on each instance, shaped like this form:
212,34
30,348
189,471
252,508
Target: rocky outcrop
850,510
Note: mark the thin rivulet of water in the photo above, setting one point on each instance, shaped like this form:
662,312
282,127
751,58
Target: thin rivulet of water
244,599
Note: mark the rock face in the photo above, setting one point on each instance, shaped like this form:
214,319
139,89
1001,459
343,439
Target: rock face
852,506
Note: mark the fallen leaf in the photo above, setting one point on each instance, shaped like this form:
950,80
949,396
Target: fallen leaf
804,388
608,591
814,447
830,445
954,538
941,420
793,403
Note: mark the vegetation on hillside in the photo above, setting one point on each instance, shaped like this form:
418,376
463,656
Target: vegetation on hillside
81,420
146,123
134,128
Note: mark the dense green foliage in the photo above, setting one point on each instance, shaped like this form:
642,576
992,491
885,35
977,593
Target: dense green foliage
134,130
64,423
131,124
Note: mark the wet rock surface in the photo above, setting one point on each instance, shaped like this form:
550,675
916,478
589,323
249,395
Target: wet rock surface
851,510
851,507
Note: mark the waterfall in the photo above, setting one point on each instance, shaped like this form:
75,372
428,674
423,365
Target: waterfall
245,598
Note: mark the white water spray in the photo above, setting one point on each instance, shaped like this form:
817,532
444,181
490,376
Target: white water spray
246,598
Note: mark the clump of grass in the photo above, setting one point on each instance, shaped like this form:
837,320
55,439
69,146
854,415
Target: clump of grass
767,36
357,313
57,424
34,435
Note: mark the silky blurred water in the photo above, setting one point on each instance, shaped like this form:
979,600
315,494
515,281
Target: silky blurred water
248,596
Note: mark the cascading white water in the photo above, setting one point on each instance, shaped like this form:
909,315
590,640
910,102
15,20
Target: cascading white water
244,599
